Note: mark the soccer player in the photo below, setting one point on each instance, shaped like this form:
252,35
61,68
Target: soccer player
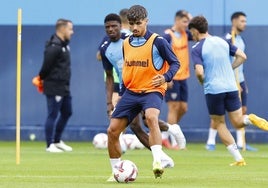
55,75
177,92
211,58
124,29
144,74
239,21
112,57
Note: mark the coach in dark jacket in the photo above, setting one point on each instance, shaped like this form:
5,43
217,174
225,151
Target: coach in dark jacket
55,74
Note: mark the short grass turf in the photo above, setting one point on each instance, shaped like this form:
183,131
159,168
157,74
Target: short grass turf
89,167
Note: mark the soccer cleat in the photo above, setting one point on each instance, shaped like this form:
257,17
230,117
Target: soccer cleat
157,170
167,162
176,131
166,144
53,149
211,147
111,179
248,148
242,162
61,145
258,122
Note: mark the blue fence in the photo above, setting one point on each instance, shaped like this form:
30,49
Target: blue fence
88,89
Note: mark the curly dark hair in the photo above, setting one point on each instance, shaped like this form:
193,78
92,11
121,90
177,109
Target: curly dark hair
136,13
199,23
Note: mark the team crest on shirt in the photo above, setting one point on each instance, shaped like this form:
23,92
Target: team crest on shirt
174,95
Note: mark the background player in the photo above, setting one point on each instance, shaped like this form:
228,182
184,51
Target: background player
55,75
177,93
239,21
215,72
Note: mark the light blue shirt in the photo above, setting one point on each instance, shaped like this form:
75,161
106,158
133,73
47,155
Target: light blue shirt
214,54
114,54
239,43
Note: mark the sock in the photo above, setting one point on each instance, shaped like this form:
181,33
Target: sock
165,135
246,120
156,151
232,148
212,136
240,134
173,141
113,161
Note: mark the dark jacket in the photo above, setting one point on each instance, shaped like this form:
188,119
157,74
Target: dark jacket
56,70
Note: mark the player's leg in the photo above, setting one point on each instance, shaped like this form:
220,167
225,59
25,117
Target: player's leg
126,110
53,107
151,104
65,114
240,133
216,104
173,130
143,137
117,125
211,141
233,106
227,139
135,126
172,100
182,108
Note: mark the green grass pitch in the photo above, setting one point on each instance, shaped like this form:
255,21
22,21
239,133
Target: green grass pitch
89,167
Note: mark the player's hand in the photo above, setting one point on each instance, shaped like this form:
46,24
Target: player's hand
38,83
158,80
170,85
110,108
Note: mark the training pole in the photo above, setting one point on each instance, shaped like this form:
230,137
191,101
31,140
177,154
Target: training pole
239,92
18,88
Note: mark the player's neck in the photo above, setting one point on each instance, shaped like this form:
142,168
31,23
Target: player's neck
236,31
60,35
203,35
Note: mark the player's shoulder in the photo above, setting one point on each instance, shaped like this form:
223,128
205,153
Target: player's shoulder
105,43
124,35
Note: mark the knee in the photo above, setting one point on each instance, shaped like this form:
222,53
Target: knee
151,119
112,132
67,114
53,114
184,109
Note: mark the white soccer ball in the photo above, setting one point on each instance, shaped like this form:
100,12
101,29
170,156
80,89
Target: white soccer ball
125,171
100,141
132,142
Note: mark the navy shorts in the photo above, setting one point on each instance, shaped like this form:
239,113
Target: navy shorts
179,91
219,103
244,93
131,104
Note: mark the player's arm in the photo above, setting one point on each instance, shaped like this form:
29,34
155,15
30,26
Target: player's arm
198,63
240,56
98,54
50,56
199,72
167,54
108,67
109,90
